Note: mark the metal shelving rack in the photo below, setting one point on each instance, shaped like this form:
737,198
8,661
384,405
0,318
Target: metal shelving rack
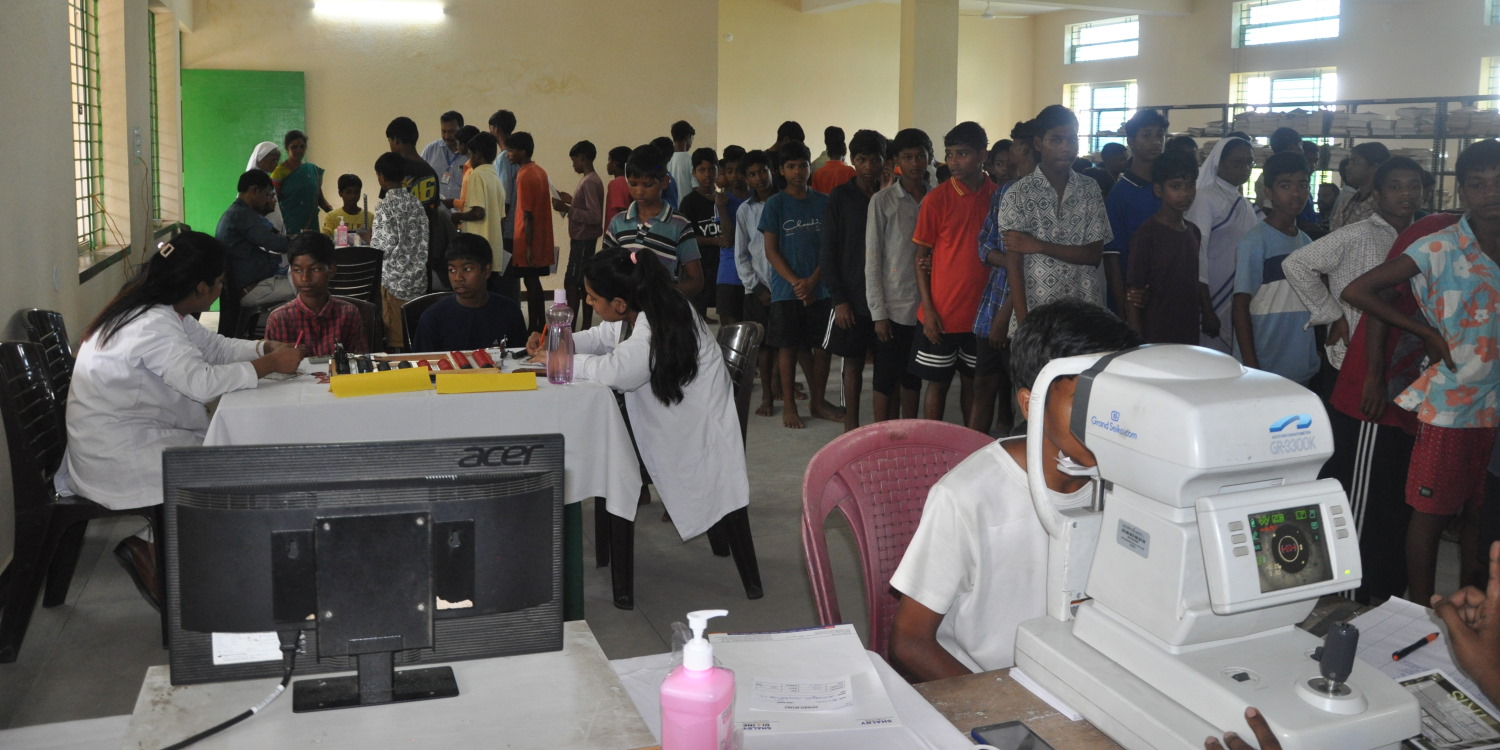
1440,140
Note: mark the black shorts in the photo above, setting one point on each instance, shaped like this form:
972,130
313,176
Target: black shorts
729,300
853,341
756,311
990,361
795,325
892,360
936,362
579,253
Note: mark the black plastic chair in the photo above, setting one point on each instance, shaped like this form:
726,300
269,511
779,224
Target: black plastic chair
740,344
49,528
614,537
358,274
411,314
374,326
46,328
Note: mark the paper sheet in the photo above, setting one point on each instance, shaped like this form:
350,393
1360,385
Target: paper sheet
1399,623
1450,719
815,658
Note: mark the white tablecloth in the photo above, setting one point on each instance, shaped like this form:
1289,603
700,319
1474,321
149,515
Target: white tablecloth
598,460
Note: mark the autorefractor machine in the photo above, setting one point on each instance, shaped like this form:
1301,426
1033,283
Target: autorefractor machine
1173,601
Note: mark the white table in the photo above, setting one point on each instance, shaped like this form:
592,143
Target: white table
598,460
558,700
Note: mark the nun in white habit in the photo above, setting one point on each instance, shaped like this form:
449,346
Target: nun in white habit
1223,216
265,157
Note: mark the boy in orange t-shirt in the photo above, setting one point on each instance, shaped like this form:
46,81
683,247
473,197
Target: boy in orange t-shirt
534,251
951,280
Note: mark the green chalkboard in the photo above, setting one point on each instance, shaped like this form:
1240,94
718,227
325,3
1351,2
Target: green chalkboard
225,113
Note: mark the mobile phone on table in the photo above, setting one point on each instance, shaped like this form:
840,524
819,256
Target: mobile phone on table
1010,735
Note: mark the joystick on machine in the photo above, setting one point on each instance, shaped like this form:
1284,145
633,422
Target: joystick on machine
1173,601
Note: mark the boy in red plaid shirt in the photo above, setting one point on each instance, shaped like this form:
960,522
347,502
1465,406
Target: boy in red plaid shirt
314,317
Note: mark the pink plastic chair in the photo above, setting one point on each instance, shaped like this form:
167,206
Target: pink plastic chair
878,475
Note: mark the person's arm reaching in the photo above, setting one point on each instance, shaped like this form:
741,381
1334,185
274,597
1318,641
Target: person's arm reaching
1364,293
1473,620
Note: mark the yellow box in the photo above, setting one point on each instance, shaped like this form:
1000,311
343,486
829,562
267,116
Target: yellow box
484,381
375,383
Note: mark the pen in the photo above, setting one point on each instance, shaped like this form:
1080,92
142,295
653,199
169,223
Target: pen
1405,652
298,345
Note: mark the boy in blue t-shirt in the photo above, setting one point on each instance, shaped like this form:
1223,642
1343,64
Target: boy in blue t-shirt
471,318
1271,330
792,223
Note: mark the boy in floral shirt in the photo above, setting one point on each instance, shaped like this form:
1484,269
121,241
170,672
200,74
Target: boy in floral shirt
1456,280
401,233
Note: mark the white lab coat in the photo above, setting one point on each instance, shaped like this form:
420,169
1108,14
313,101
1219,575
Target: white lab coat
693,449
142,393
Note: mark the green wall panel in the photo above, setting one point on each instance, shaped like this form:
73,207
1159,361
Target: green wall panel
224,114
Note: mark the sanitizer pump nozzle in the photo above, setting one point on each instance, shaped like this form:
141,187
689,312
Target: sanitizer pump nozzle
698,653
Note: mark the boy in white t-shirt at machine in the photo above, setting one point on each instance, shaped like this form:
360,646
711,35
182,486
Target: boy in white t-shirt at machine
977,566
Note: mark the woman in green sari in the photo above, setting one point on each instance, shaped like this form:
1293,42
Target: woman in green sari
299,186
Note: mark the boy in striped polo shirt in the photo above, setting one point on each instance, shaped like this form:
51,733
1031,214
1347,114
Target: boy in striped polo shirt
1271,326
650,224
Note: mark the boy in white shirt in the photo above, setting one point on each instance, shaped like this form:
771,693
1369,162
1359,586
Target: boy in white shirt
976,568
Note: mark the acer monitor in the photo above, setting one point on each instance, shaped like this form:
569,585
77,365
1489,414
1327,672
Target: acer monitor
368,556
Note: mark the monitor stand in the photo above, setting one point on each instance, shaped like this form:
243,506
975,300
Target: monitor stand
376,682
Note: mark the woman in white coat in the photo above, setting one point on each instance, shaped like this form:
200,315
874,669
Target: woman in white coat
656,349
145,371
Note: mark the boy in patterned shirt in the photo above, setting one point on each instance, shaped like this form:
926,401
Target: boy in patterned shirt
1053,223
1452,273
401,232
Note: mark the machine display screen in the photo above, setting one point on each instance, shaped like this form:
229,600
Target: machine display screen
1290,548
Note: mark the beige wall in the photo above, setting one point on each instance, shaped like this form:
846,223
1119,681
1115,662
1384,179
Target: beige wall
1386,49
849,71
820,69
994,73
569,69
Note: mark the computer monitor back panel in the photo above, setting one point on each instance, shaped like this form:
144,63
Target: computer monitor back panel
242,549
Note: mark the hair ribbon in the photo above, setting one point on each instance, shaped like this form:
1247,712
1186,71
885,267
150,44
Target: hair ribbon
165,249
632,255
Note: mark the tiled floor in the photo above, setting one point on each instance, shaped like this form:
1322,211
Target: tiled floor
87,658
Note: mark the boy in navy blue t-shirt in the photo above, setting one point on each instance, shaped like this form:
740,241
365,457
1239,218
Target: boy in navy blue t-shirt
471,318
792,223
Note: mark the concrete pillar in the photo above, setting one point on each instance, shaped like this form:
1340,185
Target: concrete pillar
929,66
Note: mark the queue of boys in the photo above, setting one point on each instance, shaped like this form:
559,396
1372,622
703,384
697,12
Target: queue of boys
1003,257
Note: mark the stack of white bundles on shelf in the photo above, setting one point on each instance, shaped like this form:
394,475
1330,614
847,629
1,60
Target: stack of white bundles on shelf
1421,156
1383,127
1416,121
1351,123
1265,123
1336,154
1474,122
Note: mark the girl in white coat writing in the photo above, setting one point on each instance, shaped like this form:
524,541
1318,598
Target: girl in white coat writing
145,371
655,348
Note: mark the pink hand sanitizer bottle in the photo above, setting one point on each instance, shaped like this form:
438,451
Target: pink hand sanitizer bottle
697,698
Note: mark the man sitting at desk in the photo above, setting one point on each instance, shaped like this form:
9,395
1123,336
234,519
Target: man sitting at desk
977,566
255,248
314,318
472,318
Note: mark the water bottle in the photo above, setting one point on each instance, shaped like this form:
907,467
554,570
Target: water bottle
559,340
341,235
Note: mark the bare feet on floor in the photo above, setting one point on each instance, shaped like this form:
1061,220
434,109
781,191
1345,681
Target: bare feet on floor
790,417
825,410
765,409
